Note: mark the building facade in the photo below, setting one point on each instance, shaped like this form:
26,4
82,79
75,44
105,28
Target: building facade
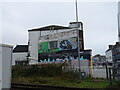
116,53
48,40
109,55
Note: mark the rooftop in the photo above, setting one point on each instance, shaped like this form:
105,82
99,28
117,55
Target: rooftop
50,27
20,48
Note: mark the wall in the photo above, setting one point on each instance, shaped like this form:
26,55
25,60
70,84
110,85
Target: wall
0,67
6,65
33,46
109,56
34,37
84,66
99,73
21,56
54,31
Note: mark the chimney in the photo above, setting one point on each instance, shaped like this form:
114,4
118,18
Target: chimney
74,25
110,46
117,43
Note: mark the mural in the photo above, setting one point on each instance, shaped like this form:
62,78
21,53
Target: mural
65,44
59,47
68,44
55,46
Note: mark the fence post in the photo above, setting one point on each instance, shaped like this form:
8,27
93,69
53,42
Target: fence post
110,76
114,71
106,71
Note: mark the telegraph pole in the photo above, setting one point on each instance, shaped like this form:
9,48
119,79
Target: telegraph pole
78,42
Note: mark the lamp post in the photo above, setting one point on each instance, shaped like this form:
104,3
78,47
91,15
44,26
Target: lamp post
118,27
78,42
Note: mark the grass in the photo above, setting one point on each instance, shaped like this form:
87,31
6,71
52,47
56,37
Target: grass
58,81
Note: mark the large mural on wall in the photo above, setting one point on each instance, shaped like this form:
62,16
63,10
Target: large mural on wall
55,46
58,47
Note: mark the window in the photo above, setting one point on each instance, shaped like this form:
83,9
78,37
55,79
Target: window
53,44
21,62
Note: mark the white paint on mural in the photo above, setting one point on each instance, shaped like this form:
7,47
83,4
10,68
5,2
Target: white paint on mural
56,36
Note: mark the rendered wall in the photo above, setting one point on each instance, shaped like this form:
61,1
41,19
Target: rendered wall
33,46
19,57
34,37
109,56
64,41
0,67
6,66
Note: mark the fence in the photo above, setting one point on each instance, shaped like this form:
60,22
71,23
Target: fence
95,72
99,72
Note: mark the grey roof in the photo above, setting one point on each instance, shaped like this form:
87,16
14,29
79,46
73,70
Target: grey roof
20,48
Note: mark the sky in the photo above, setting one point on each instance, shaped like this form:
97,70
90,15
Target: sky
99,19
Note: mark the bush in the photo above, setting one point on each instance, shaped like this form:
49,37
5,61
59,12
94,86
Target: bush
44,70
24,71
50,70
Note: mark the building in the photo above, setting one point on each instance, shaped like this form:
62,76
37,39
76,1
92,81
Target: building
48,40
109,55
20,53
116,52
99,59
113,53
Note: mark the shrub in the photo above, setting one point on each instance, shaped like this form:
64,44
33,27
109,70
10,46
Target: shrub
44,70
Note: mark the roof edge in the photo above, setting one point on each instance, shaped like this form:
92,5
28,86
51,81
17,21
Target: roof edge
50,27
5,45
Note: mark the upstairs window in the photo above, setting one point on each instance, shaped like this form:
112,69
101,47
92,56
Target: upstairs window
53,44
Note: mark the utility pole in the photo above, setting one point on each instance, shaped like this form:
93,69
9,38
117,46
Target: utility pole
118,28
78,42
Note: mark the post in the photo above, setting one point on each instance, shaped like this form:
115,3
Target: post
91,65
106,70
118,28
110,76
78,42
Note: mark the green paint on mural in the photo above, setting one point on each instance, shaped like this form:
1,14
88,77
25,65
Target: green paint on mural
44,48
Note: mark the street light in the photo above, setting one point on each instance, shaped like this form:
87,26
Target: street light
78,42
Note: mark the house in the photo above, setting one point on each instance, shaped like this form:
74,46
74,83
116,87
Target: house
20,53
116,53
109,55
98,59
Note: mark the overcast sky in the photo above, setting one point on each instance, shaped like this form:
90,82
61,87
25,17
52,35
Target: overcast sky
99,18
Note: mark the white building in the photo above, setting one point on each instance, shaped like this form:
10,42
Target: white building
36,34
20,53
108,53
